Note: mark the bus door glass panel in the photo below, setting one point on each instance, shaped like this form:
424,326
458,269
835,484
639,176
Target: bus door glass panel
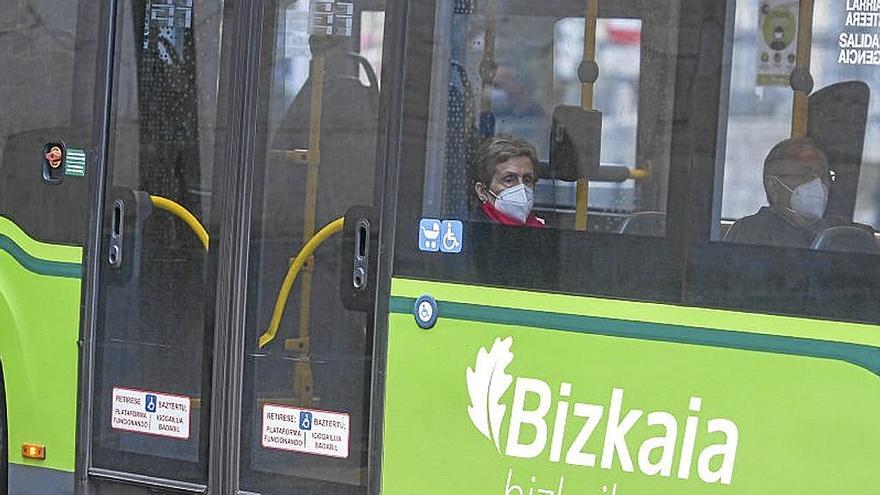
308,358
153,342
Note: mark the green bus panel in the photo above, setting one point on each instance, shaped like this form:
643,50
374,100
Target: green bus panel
39,328
518,393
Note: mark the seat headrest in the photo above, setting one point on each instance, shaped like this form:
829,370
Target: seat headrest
652,223
847,238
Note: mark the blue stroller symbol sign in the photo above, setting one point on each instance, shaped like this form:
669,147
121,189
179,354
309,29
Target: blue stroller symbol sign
150,404
305,421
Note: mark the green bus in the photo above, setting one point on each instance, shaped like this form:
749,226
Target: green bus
439,246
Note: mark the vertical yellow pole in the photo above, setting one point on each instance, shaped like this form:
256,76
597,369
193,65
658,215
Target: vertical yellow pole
589,50
303,381
804,52
580,212
582,193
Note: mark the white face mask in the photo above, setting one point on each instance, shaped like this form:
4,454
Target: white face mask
515,202
809,199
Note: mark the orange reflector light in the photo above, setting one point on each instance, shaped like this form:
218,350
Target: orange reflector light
33,451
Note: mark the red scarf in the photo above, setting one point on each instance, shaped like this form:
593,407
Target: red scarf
498,217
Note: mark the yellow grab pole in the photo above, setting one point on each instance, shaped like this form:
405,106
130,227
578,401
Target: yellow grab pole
302,368
583,184
307,251
589,50
182,213
804,51
580,212
311,205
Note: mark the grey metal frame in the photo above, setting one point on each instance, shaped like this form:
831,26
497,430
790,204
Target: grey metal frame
223,462
92,248
388,165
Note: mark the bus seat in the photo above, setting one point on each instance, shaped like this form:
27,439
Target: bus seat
846,239
837,123
648,223
349,121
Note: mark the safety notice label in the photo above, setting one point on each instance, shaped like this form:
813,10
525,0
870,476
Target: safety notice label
151,413
306,430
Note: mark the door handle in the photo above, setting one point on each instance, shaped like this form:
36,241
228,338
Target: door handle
129,209
361,273
117,218
359,258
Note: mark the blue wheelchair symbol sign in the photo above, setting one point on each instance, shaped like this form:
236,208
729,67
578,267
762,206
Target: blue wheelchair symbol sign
305,421
452,231
150,404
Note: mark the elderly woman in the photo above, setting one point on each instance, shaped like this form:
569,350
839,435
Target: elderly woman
504,181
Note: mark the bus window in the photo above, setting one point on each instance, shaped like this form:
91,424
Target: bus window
815,187
504,132
598,142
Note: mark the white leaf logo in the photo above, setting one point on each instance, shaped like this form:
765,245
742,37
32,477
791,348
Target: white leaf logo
486,383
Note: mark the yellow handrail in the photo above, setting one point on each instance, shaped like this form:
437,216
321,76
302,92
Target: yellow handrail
183,214
295,267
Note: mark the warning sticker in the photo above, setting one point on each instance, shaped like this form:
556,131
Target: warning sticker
305,430
151,413
777,36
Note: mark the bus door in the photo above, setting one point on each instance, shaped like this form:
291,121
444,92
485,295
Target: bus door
268,336
149,389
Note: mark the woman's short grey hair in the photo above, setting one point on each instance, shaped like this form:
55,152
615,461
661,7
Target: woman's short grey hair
497,150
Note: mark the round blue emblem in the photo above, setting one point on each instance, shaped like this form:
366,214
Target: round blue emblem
425,311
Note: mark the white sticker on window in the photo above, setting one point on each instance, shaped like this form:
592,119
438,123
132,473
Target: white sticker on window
305,430
150,413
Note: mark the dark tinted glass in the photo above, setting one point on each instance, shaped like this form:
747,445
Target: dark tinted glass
153,345
308,356
496,84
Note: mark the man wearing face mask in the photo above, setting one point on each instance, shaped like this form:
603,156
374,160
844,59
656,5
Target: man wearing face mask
504,181
797,182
